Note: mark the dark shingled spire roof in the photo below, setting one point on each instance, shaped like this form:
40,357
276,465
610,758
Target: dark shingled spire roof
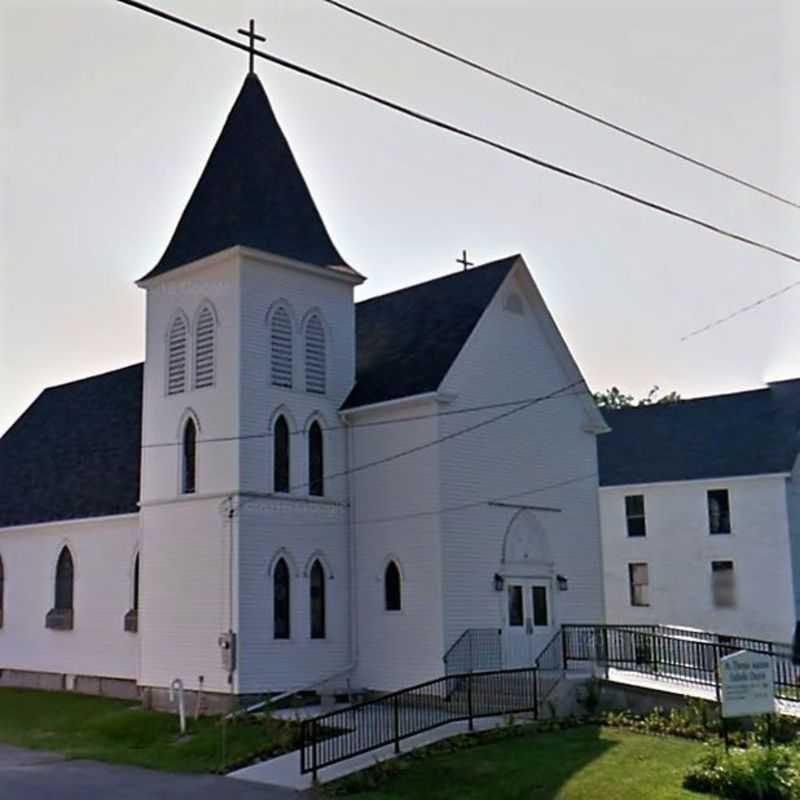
251,193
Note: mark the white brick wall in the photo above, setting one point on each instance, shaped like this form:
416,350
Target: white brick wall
103,553
679,549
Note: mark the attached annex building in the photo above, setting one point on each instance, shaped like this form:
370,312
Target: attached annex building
284,491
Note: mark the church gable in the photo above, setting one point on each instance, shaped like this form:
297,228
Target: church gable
251,193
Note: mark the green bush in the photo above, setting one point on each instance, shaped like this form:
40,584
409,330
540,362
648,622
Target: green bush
755,773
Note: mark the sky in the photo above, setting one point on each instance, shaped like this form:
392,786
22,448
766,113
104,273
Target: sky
107,116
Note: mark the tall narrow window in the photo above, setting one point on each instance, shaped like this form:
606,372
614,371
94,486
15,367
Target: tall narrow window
634,515
60,617
391,581
315,356
204,335
281,348
177,342
131,619
136,583
2,588
639,582
316,484
280,600
723,584
280,455
189,458
719,511
317,589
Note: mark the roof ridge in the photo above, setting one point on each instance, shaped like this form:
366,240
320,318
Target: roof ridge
496,262
92,377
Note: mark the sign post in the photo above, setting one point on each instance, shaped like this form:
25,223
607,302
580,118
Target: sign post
747,685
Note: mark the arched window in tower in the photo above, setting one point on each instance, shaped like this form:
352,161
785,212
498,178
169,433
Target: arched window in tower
189,458
204,348
392,589
315,356
280,455
316,461
2,592
281,348
317,590
177,343
280,600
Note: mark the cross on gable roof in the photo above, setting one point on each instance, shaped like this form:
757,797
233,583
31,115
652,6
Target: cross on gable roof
251,193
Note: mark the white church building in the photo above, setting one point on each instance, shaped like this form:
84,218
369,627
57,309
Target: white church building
295,487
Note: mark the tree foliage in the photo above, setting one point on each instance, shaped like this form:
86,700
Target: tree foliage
614,398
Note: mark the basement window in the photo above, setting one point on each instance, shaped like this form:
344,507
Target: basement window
723,584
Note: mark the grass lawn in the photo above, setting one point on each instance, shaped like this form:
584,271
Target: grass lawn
99,728
585,763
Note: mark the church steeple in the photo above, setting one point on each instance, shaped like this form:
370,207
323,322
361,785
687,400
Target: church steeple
250,193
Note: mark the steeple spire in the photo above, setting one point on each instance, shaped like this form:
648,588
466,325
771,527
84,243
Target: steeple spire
251,193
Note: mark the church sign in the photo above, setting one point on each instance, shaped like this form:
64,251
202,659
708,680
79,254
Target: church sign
747,684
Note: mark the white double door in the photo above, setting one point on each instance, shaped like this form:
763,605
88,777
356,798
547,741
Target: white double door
528,620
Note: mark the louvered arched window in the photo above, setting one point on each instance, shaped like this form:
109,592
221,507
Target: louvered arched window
189,458
280,600
281,348
280,455
204,348
315,356
65,577
177,344
392,590
316,461
317,597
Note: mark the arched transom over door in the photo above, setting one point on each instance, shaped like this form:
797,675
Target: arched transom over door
527,568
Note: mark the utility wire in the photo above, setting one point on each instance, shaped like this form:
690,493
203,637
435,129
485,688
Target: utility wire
556,101
431,512
462,132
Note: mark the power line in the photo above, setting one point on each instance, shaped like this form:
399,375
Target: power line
742,310
462,132
558,102
431,512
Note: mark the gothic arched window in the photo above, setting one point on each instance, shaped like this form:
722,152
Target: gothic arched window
189,458
280,600
315,356
204,355
177,343
317,592
65,577
280,455
391,585
316,461
281,348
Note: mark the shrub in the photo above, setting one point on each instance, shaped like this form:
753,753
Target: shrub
757,773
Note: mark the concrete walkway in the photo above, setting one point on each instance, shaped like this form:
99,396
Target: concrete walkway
284,770
34,775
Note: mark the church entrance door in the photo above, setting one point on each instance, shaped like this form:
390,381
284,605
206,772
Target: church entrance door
528,620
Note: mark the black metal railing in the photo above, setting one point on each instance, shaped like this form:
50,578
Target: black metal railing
476,650
550,666
387,720
669,653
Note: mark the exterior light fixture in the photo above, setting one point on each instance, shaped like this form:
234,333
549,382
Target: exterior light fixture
562,582
498,582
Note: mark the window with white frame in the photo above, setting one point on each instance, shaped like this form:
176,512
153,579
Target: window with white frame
315,356
392,590
281,348
719,511
723,584
189,458
634,515
204,348
177,345
281,624
639,584
317,600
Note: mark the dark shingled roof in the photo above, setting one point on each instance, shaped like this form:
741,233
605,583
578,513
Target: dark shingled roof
407,340
747,433
251,193
75,452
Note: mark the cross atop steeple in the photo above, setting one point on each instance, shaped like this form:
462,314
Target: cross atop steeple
253,37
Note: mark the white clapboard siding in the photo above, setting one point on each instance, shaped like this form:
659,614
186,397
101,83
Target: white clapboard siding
315,356
204,350
281,348
176,356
